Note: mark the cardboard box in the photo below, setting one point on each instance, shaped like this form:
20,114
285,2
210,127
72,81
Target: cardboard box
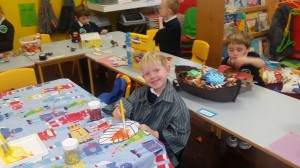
137,45
89,40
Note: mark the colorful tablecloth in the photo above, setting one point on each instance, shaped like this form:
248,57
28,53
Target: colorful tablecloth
57,110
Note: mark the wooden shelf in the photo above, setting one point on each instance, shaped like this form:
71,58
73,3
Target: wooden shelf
253,9
259,34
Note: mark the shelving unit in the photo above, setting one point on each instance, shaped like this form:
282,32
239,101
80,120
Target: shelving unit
124,6
210,25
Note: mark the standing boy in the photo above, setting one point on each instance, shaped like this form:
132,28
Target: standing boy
238,47
7,32
81,26
158,107
168,35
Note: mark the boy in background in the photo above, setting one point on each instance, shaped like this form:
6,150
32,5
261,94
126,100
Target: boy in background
81,26
168,35
157,107
7,33
240,58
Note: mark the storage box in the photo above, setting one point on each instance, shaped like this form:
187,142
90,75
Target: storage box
89,40
137,45
30,44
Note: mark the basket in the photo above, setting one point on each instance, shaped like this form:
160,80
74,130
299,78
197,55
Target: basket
30,44
224,94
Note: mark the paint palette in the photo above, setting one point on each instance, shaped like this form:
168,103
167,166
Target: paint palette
116,134
31,144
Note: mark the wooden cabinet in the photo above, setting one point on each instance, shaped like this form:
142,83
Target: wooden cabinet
210,25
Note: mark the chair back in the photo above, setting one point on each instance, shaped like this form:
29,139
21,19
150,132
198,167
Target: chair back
200,51
17,78
45,38
189,23
128,84
151,34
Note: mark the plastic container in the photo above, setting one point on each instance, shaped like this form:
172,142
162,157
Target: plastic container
71,151
31,44
94,110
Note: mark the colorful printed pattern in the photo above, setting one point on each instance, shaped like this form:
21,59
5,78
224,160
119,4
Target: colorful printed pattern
57,110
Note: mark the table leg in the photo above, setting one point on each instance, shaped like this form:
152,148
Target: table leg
91,76
79,71
60,70
41,73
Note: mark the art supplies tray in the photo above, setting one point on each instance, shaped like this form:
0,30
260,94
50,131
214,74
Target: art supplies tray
224,94
31,143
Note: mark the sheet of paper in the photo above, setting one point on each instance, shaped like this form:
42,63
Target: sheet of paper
27,14
287,147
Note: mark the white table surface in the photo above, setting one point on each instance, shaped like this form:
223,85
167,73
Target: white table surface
260,116
60,50
16,62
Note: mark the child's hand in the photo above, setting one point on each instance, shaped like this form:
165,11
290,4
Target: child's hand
160,22
160,19
117,112
240,61
103,31
148,129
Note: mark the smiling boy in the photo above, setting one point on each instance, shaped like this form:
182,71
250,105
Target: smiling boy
158,107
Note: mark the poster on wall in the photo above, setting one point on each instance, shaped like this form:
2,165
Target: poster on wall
27,14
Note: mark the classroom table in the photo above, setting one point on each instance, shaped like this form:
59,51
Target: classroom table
57,110
16,62
62,51
261,117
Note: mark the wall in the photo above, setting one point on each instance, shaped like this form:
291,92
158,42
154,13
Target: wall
11,12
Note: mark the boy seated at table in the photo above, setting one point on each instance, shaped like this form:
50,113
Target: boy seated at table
157,107
240,58
7,33
84,25
169,33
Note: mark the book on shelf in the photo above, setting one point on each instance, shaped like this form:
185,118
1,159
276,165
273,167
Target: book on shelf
261,46
252,3
252,22
229,6
229,24
263,21
240,21
240,4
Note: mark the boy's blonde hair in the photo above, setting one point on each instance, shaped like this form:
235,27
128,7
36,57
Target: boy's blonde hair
152,58
239,37
82,10
172,4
